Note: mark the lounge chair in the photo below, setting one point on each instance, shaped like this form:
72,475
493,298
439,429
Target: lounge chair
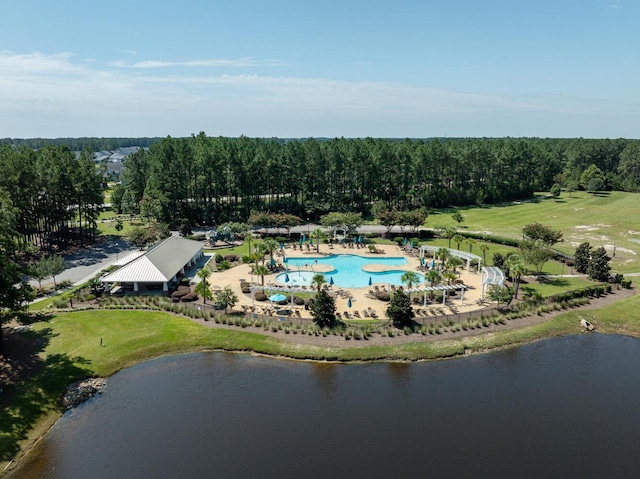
365,313
356,313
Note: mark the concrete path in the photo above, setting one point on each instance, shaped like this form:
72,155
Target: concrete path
86,263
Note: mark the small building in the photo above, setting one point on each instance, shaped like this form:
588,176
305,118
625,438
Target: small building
159,267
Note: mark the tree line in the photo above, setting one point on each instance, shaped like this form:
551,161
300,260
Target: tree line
56,196
212,180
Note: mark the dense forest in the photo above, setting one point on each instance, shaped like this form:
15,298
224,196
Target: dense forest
215,179
211,180
79,144
52,197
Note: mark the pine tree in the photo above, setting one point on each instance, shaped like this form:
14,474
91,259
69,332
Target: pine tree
323,309
582,256
399,310
599,268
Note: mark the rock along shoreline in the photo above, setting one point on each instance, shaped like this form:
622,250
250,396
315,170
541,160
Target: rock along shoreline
82,390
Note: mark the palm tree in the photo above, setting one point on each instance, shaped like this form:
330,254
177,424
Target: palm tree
270,245
443,254
453,262
450,276
261,271
410,278
458,239
203,286
433,277
516,269
318,234
471,242
484,247
318,280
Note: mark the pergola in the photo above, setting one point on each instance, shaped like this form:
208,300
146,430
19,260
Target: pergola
442,287
491,276
422,289
467,257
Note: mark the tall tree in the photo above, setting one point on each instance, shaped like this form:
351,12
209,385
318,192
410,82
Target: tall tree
399,310
14,291
582,256
323,309
599,268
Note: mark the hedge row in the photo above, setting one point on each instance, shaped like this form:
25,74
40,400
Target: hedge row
589,291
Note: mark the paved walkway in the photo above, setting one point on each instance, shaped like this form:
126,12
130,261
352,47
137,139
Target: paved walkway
86,263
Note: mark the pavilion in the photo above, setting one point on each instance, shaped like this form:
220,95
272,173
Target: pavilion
157,267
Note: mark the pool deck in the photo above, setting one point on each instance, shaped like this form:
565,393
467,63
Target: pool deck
361,298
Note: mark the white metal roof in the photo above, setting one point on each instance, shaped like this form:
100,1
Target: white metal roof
159,263
128,258
455,252
492,275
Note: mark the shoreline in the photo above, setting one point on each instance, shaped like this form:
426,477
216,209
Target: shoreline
447,346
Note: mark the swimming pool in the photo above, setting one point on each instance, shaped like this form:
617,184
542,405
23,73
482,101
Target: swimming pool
347,270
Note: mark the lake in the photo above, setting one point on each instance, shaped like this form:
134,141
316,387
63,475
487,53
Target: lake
563,407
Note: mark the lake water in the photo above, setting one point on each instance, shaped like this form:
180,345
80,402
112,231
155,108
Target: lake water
564,407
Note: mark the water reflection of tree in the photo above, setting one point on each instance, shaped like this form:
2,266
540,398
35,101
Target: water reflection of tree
326,376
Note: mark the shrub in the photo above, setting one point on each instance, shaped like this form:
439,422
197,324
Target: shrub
383,296
180,293
184,281
260,297
298,301
246,290
190,296
626,283
90,297
399,240
231,258
218,258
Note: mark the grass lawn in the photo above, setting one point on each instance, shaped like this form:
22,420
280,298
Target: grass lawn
555,285
602,220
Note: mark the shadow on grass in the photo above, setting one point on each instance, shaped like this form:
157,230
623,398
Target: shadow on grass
38,393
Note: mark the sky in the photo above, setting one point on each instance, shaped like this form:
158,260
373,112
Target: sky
289,69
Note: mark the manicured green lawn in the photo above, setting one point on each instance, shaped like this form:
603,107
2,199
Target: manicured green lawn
607,219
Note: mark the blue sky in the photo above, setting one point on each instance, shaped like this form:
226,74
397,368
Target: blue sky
563,68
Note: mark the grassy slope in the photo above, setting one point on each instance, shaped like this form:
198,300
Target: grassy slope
616,216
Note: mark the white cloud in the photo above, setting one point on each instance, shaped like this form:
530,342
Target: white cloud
240,62
51,95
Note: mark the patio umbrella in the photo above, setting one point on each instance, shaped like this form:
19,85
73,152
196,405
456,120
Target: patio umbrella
405,240
355,240
370,282
304,238
286,278
281,246
301,240
422,261
349,302
433,263
276,298
331,280
360,239
311,241
273,262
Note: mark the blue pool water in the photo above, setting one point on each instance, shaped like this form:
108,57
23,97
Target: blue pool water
347,270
